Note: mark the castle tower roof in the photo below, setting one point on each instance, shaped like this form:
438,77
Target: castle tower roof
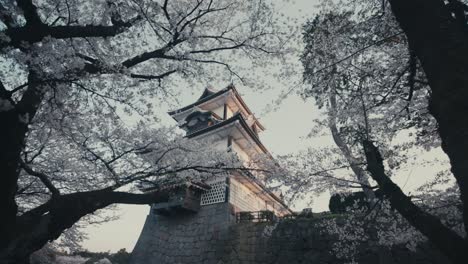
211,99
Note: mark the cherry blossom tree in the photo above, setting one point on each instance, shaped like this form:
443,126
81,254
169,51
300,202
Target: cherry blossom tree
382,72
72,73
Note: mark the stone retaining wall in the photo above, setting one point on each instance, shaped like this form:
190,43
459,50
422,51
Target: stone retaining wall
212,237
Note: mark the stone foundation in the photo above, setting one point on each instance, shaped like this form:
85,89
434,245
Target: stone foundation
212,237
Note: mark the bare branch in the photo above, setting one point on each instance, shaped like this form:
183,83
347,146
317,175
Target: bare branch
190,12
219,48
357,52
431,226
166,13
61,212
34,34
106,163
42,176
152,77
158,53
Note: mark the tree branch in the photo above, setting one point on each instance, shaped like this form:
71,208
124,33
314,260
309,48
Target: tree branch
158,53
47,222
152,77
42,176
35,34
449,242
353,161
30,12
356,52
35,30
219,48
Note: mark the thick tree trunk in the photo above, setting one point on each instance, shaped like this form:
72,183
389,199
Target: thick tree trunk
441,44
11,142
14,120
445,239
47,222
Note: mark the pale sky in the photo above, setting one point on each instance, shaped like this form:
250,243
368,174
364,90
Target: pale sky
286,131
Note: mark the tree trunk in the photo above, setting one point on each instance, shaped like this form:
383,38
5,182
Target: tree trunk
446,240
353,162
11,143
15,122
361,176
441,44
48,221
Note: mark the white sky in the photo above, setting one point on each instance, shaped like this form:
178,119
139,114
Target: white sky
286,130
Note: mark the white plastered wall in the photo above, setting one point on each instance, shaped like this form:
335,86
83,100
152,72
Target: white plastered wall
220,112
243,198
240,152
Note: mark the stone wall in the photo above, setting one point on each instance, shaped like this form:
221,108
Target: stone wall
212,236
301,241
191,238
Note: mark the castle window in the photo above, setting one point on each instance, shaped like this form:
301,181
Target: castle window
217,193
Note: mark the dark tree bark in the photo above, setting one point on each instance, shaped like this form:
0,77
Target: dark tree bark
16,118
11,140
35,30
15,126
440,42
446,240
47,222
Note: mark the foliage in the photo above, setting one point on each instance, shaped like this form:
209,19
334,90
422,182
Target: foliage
340,202
361,55
359,66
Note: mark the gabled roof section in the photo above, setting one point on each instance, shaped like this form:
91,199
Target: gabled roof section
208,91
209,94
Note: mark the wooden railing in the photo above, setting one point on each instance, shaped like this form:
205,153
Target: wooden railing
269,216
256,216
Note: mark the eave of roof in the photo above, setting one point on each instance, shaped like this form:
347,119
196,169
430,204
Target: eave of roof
245,106
206,98
236,117
200,101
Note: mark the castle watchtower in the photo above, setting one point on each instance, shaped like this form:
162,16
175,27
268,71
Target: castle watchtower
223,119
